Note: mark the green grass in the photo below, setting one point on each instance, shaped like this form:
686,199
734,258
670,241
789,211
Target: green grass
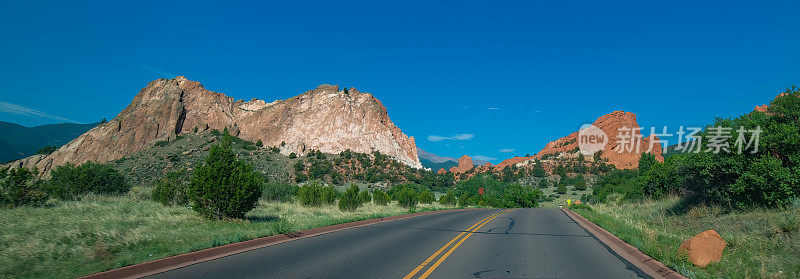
762,243
98,233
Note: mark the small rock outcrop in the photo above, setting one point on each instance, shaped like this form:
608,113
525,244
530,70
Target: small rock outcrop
324,119
704,248
464,164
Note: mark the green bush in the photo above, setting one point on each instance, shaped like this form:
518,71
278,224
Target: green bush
279,191
380,197
171,189
425,197
224,187
70,181
448,199
407,197
310,194
364,196
562,188
46,150
465,200
519,196
543,183
350,200
292,155
329,195
20,187
580,183
314,194
538,171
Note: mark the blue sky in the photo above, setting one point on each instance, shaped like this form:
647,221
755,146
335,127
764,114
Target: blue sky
489,78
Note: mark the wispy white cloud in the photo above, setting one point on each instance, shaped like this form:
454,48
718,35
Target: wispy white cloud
26,111
492,108
455,137
536,111
506,150
484,158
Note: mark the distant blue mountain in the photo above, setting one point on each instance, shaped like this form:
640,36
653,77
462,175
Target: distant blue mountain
17,141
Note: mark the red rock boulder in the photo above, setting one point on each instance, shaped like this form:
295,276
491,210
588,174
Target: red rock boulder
704,248
464,164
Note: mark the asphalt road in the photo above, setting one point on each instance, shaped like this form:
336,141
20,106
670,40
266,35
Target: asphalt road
519,243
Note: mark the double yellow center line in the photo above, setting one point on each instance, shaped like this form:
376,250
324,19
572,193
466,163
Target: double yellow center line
466,234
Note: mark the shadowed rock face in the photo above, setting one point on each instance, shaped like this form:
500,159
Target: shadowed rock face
610,123
324,119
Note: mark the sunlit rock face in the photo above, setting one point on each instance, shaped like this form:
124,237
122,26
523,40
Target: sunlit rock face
324,119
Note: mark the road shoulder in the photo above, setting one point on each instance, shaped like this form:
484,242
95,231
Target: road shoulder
635,257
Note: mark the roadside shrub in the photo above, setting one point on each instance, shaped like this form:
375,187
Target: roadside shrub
171,189
310,194
224,187
425,197
70,181
519,196
292,155
562,188
380,197
329,195
449,199
20,187
465,200
364,196
407,198
350,200
279,191
259,144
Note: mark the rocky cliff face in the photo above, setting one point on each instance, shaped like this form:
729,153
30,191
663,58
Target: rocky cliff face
324,119
512,161
609,123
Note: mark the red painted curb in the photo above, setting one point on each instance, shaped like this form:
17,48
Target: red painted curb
178,261
641,260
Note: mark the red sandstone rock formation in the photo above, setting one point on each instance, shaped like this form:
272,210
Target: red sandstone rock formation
464,164
512,161
613,151
704,248
441,171
324,119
